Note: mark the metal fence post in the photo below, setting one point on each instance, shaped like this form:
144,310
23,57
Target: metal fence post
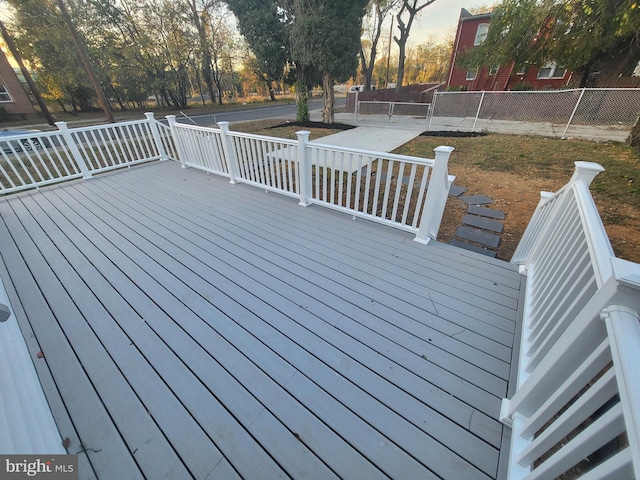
227,149
73,148
436,197
432,110
473,129
156,135
575,109
304,168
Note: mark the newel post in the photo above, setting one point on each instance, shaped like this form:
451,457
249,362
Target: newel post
304,168
171,119
585,172
436,197
73,148
227,149
155,132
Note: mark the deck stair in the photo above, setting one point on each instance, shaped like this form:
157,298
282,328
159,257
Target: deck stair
501,79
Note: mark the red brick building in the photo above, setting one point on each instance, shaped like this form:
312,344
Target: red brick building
471,32
13,99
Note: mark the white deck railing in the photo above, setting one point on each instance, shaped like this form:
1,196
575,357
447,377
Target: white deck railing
26,421
576,406
409,193
42,158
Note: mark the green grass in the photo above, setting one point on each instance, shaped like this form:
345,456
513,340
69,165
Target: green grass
545,158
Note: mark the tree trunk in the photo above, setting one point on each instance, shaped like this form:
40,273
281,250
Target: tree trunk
634,137
86,63
402,46
302,107
272,94
328,97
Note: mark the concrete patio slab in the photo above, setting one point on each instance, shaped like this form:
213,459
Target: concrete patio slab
379,139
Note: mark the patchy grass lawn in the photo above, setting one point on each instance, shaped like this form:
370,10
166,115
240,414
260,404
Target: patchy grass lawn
513,170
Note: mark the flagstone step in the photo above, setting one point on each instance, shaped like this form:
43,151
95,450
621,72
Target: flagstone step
486,212
482,237
483,223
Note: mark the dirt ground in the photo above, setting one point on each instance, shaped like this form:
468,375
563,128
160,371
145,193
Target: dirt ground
518,197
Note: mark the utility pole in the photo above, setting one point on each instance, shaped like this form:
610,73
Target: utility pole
83,52
386,85
27,76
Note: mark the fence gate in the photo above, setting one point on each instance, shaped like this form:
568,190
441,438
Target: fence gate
399,114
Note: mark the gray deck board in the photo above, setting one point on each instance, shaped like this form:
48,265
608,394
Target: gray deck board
333,254
443,357
215,331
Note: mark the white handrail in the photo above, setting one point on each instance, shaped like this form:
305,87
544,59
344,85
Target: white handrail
26,420
572,366
405,192
34,159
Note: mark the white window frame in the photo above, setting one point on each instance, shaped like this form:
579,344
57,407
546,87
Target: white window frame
493,71
481,34
5,96
471,74
552,67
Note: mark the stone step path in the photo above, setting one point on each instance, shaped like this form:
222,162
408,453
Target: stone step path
481,226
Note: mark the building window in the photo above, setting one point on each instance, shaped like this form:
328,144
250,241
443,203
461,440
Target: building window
472,74
551,70
481,33
4,95
493,70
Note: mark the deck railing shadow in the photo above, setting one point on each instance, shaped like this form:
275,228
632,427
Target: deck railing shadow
405,192
576,406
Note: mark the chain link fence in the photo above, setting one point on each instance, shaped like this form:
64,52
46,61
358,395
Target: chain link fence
392,113
596,114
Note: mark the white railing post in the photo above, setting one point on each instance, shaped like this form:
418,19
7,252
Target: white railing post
575,109
171,119
73,148
304,168
229,155
623,328
153,125
622,321
584,172
436,197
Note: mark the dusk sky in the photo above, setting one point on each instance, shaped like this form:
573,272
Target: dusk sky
439,19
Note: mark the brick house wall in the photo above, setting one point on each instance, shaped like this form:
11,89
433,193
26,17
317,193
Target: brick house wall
470,33
13,98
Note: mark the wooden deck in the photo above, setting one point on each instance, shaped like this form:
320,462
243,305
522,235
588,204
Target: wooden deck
190,328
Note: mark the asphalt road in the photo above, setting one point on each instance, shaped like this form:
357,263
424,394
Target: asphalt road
286,112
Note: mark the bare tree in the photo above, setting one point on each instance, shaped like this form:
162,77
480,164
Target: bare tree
410,8
86,62
200,16
379,9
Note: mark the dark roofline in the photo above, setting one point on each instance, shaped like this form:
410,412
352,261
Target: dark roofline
465,15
